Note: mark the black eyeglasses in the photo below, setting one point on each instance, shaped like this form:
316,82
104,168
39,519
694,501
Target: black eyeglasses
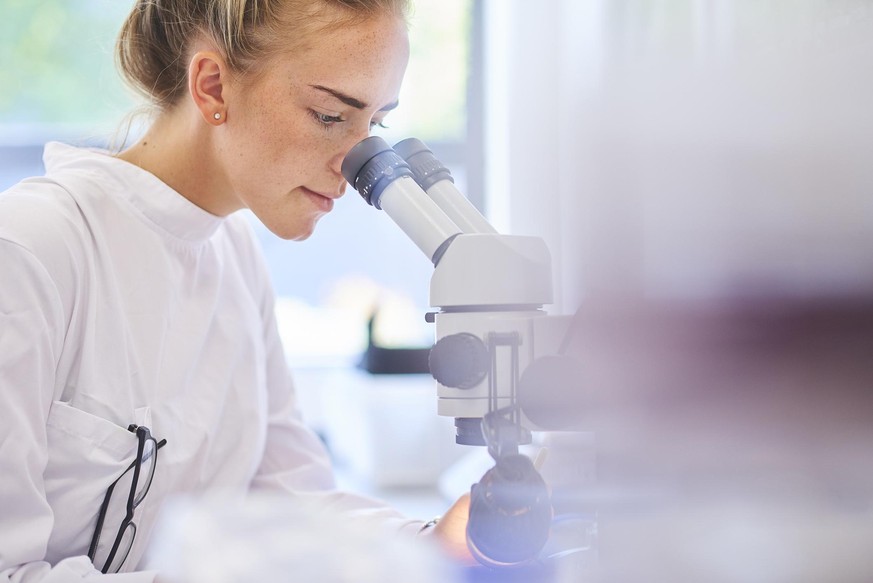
143,471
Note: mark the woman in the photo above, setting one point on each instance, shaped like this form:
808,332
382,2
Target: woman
135,309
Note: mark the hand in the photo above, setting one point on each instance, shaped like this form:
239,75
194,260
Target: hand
451,532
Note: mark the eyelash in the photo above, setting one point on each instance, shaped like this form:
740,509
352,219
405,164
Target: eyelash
328,121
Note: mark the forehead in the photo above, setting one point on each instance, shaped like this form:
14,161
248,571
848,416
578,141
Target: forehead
366,59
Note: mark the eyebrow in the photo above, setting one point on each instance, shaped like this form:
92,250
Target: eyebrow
351,101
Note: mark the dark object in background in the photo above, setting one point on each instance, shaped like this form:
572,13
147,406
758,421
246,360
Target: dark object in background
382,360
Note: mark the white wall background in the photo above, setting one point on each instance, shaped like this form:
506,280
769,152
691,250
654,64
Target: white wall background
685,148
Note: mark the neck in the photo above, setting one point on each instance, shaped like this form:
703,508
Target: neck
179,149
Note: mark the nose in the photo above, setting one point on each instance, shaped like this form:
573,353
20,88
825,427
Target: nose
353,138
336,162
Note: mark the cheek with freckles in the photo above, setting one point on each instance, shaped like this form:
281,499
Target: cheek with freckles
265,157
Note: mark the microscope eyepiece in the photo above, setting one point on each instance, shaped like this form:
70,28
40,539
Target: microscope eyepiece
426,168
370,166
434,178
385,181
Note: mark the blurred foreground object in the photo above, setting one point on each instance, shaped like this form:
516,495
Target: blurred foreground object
269,538
720,222
734,440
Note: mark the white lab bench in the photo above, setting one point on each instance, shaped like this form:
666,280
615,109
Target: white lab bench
384,435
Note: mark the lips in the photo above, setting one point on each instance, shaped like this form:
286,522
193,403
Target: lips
323,200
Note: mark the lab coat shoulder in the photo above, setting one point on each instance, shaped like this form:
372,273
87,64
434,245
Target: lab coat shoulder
41,224
40,210
42,251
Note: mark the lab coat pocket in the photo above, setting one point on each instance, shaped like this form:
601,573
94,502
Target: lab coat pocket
86,453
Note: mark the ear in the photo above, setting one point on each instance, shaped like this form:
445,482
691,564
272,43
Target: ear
207,74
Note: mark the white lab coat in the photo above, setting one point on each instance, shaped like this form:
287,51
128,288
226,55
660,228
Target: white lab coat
122,302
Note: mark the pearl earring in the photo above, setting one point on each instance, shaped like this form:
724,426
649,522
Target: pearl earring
217,115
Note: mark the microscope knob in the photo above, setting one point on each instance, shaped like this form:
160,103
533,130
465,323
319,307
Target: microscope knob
459,361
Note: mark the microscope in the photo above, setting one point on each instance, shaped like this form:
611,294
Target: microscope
497,355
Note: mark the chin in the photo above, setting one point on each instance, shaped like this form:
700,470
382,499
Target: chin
293,232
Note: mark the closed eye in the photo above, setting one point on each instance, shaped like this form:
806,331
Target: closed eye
326,120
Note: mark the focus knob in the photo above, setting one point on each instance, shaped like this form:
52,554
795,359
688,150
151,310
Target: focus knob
459,361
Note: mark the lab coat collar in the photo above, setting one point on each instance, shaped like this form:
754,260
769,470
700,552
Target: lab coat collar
167,209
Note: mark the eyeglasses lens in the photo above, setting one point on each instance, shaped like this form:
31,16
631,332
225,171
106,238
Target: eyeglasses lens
115,513
147,470
123,548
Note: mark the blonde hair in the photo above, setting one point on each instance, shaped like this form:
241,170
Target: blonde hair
154,41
